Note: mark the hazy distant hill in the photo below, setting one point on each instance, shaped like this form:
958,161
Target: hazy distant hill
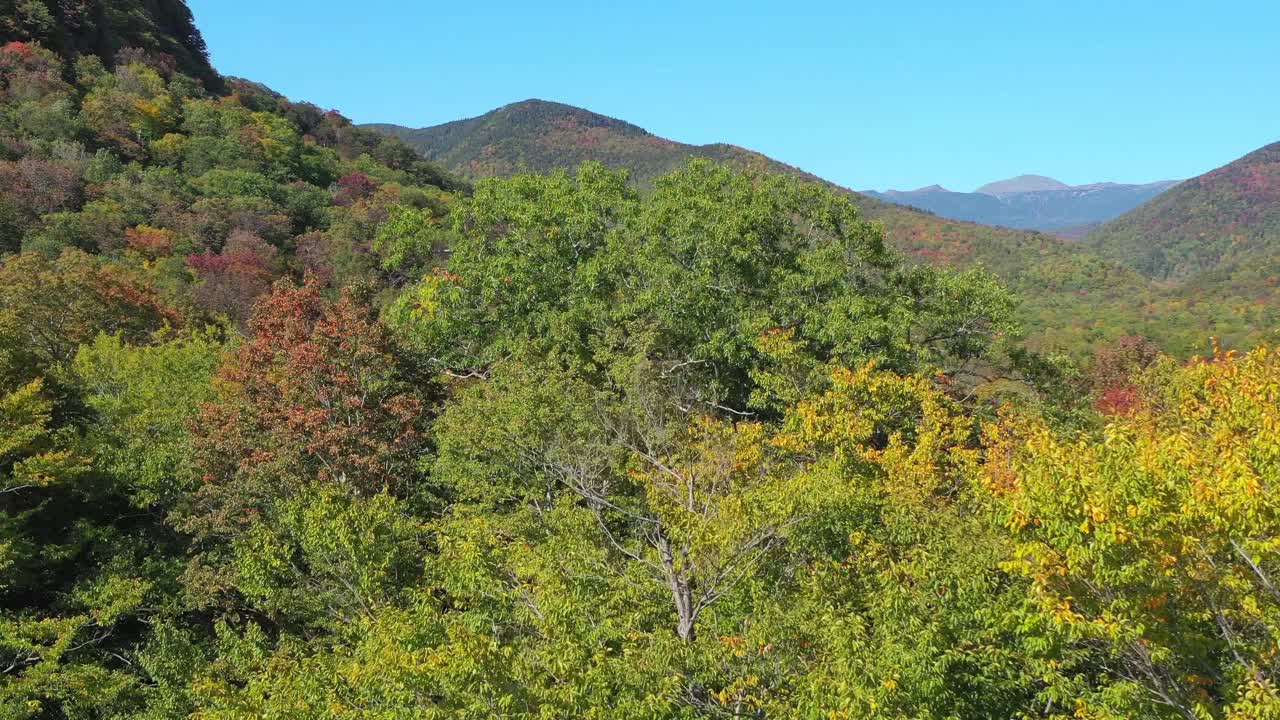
1225,220
1031,202
1072,297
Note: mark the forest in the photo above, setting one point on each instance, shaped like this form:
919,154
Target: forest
297,424
1071,297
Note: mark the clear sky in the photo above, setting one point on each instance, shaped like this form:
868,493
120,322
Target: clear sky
884,94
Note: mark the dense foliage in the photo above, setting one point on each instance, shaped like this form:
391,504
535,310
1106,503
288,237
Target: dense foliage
1226,217
112,30
294,425
1152,550
1073,298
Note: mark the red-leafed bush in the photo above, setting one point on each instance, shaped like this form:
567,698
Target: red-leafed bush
353,188
1112,373
1118,400
235,277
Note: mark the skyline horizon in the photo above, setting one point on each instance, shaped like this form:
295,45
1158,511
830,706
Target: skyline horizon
861,189
1070,186
864,95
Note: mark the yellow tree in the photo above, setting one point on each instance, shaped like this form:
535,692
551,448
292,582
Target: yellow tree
1154,549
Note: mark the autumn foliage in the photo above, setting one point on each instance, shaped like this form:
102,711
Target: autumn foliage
1153,548
295,425
317,393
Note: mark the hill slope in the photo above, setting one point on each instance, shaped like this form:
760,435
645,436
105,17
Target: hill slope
1224,220
103,28
540,136
1072,297
1058,210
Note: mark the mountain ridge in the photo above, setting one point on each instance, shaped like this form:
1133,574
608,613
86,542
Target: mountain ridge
1060,211
496,142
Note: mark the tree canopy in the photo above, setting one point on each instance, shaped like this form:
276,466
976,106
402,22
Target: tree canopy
295,425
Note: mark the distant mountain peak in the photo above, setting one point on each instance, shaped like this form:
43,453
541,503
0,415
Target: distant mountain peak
1022,183
537,135
1023,202
538,105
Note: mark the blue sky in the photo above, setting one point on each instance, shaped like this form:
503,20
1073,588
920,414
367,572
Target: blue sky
867,94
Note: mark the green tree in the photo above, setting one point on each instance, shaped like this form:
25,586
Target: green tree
81,571
143,398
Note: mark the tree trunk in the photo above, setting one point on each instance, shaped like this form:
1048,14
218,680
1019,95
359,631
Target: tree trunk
684,609
681,593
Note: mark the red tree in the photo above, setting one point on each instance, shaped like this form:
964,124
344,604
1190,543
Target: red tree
317,394
39,186
1112,372
149,242
354,187
236,277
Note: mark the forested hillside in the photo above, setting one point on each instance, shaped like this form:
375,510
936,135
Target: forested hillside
1214,242
1226,219
540,136
105,28
295,424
